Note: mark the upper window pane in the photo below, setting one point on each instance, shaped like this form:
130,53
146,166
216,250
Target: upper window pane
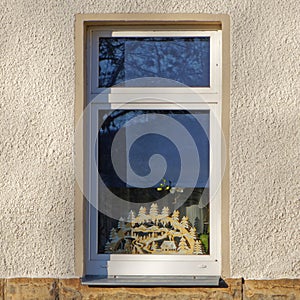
183,59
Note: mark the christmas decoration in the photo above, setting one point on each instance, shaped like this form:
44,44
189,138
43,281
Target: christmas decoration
154,233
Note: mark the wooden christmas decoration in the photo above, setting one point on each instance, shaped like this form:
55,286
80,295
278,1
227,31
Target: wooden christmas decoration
154,233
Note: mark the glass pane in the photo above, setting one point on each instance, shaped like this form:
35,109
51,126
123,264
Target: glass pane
158,229
183,59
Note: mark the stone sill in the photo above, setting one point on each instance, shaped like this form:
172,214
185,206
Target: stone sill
237,289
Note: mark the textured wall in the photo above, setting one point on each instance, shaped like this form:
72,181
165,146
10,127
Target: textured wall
36,121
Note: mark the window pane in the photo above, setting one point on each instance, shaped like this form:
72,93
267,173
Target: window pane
160,229
183,59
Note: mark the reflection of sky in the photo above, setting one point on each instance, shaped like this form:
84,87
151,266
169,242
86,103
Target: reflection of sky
197,124
185,60
150,144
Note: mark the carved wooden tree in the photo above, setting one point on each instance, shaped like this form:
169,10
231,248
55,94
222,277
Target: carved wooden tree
153,212
165,211
121,223
182,247
198,247
193,232
142,212
113,234
131,217
165,214
185,222
108,248
175,215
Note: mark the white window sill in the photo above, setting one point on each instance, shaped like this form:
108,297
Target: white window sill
152,281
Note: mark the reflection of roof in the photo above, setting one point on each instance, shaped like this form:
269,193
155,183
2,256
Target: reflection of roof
168,245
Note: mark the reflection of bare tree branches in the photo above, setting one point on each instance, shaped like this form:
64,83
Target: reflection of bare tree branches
155,45
113,77
112,53
110,119
182,59
135,65
118,118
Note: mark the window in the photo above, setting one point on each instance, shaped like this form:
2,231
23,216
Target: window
153,154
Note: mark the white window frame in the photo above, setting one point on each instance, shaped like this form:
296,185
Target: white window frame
124,94
209,99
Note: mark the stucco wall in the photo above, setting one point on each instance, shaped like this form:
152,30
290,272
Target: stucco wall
36,121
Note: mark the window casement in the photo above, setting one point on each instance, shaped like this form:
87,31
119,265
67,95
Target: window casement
153,161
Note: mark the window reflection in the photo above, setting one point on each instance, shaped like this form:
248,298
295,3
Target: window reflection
183,59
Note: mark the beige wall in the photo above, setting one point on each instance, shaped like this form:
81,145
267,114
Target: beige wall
36,121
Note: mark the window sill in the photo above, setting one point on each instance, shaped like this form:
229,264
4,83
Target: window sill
152,281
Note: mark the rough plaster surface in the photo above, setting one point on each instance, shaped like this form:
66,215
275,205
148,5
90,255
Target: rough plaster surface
36,142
